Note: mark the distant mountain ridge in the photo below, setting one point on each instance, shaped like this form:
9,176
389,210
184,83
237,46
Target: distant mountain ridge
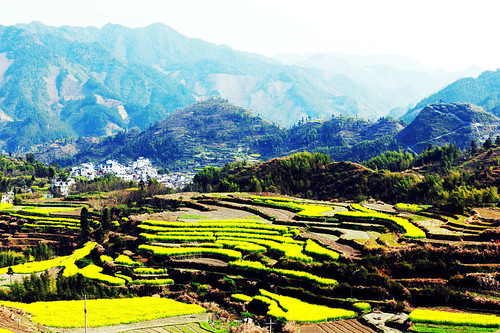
69,82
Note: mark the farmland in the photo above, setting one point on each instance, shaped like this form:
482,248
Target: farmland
263,256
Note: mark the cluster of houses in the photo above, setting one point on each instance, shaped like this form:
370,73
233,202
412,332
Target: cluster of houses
140,170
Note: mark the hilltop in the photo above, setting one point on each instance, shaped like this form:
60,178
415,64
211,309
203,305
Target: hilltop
449,123
482,91
205,133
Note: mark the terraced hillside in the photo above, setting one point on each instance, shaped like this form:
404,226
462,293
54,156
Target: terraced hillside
272,256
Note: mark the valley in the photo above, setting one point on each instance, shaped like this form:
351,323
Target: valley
155,182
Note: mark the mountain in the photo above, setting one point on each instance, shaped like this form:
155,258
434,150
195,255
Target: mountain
384,82
69,82
216,132
54,86
205,133
449,123
483,91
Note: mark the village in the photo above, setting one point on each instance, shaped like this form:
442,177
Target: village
137,171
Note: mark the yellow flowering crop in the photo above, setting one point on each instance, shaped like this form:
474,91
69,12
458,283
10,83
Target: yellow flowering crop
105,312
453,318
294,309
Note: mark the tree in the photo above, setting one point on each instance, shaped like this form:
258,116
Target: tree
106,220
497,141
84,223
30,158
473,147
488,143
10,272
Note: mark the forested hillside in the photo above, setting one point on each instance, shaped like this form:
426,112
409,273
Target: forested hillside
215,132
434,177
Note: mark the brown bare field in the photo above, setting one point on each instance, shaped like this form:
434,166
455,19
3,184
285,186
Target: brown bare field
342,326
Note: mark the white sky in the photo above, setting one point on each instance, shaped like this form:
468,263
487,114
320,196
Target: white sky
453,34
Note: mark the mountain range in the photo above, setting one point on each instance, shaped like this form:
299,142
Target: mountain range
70,82
216,132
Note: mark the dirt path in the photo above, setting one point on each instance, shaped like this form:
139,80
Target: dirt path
346,250
138,327
17,320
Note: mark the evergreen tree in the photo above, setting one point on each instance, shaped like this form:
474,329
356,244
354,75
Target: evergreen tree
106,220
473,147
84,223
488,143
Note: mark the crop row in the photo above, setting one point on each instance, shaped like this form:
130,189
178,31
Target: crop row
44,218
178,239
156,282
453,318
40,266
150,271
314,249
105,312
242,246
302,209
125,260
292,251
190,235
44,211
410,230
189,228
46,225
241,298
258,266
232,223
212,236
294,309
181,251
409,207
94,272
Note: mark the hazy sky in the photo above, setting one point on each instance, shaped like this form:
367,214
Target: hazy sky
453,34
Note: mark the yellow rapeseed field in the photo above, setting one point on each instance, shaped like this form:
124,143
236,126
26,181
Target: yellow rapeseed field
105,312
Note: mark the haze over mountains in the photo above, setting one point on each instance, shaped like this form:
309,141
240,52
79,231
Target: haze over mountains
70,82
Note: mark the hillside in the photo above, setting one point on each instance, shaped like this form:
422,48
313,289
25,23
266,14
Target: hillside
215,132
449,123
69,82
205,133
482,91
